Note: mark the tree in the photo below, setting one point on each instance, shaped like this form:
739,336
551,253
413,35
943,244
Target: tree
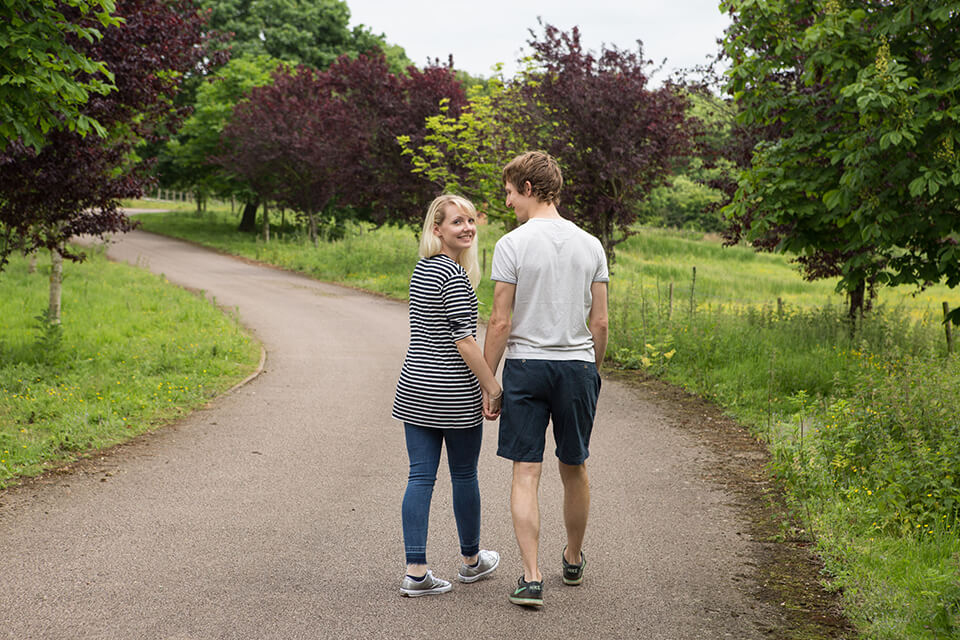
465,152
295,142
615,138
310,32
187,161
390,105
322,138
73,185
862,180
46,75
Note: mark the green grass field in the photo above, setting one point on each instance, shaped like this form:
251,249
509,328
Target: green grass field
133,352
862,422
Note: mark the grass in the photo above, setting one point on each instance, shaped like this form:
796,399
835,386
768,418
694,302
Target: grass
114,369
862,421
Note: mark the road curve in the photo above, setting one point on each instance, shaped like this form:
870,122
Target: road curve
274,512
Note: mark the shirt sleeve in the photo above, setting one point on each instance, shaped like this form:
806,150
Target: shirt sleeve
459,301
602,273
504,265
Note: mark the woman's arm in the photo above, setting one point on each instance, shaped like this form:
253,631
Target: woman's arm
492,392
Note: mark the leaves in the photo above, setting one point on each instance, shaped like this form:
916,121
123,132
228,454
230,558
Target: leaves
857,108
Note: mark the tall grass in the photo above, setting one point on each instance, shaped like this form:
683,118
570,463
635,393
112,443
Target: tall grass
132,352
862,421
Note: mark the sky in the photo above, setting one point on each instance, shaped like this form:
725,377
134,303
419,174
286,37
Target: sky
481,33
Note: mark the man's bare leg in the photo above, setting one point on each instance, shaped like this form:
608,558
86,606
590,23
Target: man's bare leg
576,507
525,509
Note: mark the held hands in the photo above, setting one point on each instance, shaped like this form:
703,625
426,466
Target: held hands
491,404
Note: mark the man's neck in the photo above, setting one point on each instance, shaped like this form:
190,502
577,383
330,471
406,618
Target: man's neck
544,210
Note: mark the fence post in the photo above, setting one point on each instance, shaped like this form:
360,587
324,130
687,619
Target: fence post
483,268
693,286
780,308
947,327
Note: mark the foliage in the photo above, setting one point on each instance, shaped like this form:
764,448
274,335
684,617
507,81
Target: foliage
390,105
73,185
124,363
615,138
683,204
308,32
862,180
314,138
465,152
46,72
295,141
186,159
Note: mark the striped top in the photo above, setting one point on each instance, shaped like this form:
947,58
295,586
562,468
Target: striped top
436,387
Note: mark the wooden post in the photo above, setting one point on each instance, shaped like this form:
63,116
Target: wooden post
483,268
670,301
780,308
266,223
693,286
947,327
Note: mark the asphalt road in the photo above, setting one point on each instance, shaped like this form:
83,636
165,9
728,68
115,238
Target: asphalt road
275,511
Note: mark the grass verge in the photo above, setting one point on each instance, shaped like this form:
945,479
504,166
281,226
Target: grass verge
132,353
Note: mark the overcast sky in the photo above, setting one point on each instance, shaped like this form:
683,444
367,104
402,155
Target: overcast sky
481,33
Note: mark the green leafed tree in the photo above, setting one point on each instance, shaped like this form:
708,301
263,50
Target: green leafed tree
186,162
45,78
466,154
310,32
858,172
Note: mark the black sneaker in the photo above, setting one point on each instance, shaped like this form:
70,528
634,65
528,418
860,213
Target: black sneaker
573,573
528,594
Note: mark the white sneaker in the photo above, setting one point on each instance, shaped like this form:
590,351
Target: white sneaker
487,563
426,587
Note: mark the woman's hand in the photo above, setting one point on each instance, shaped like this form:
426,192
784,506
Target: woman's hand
492,403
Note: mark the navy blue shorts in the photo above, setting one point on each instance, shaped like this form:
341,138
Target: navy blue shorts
536,391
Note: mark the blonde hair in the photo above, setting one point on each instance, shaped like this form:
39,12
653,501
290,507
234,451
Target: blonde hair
431,245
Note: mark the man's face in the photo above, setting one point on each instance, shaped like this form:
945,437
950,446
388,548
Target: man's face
519,202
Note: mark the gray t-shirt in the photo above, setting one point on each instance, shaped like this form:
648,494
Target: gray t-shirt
553,263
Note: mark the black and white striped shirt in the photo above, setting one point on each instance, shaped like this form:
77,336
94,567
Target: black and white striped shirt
436,387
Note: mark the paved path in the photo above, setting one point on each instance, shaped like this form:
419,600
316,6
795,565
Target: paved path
274,512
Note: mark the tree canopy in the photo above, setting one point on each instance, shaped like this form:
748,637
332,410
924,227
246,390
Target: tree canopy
73,185
859,173
46,74
309,32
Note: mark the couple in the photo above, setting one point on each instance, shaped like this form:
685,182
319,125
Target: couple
550,315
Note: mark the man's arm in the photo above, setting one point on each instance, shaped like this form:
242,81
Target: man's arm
598,322
498,328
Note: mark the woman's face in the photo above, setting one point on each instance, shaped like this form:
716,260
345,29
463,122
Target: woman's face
457,230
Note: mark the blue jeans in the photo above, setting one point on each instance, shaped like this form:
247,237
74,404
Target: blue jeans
463,452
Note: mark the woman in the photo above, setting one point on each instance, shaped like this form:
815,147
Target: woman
445,389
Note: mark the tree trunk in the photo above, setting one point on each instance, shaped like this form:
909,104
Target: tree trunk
56,282
32,268
249,220
857,295
266,224
313,229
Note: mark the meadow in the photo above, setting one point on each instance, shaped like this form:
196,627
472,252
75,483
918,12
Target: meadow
861,419
133,352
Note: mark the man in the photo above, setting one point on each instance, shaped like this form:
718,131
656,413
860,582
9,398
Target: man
550,315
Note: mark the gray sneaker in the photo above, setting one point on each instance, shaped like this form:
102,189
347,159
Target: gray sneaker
487,562
429,586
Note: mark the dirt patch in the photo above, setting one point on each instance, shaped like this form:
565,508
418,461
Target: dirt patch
788,572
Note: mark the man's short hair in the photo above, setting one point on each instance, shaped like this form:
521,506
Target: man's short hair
540,170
